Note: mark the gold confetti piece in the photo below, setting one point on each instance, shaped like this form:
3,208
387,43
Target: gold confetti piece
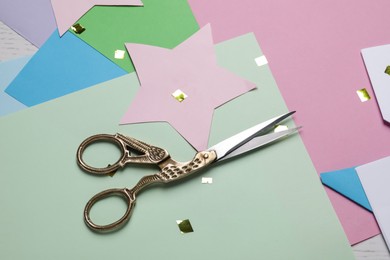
363,95
280,128
207,180
111,174
119,54
260,61
179,95
184,226
387,70
77,28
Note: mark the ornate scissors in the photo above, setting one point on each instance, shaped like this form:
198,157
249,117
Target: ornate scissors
171,170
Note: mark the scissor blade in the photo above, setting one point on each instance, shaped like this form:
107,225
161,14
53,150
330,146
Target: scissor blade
232,143
259,141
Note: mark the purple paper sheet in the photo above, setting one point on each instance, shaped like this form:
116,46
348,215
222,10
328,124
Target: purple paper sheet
32,19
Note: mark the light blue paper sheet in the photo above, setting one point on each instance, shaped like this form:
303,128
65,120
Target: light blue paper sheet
8,71
62,66
347,183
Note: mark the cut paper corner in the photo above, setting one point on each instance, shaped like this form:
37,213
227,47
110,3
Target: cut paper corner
173,69
32,20
160,23
67,13
346,182
377,62
196,135
201,40
9,69
43,78
375,179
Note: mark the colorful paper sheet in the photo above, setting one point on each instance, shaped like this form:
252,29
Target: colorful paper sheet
191,68
347,183
61,66
33,19
375,178
159,23
255,207
69,11
8,71
377,61
313,48
49,77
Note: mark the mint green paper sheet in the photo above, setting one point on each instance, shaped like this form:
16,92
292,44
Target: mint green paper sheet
268,204
164,23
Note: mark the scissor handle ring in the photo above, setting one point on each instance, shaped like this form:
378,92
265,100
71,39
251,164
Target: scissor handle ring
95,138
125,194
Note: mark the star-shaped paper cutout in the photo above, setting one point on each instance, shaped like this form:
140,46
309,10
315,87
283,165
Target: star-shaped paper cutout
192,68
67,12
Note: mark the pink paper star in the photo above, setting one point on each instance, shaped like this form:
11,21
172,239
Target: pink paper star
67,12
192,68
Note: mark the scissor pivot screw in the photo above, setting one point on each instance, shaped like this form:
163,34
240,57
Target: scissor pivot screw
206,155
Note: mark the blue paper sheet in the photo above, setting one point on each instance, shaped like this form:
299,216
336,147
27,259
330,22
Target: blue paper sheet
61,66
8,71
347,183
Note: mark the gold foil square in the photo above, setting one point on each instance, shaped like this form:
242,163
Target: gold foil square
184,226
111,174
119,54
387,70
179,95
207,180
280,128
77,28
363,95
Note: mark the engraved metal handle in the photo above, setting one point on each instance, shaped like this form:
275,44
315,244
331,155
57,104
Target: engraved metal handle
150,154
171,171
123,193
96,138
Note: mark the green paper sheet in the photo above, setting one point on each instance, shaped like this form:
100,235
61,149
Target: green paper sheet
268,204
160,23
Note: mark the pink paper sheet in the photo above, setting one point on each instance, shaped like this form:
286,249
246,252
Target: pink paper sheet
192,68
67,12
313,49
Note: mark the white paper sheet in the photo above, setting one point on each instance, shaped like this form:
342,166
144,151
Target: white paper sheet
376,60
375,178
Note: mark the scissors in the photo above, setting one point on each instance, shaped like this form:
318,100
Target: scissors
170,170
